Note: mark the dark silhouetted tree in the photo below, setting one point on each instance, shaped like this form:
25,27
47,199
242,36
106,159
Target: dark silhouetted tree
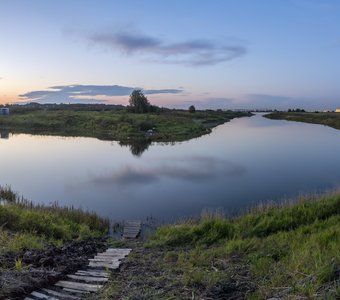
192,109
138,102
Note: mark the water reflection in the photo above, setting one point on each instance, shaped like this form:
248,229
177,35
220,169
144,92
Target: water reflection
241,162
137,147
193,169
4,134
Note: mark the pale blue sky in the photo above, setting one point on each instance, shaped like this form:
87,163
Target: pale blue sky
228,54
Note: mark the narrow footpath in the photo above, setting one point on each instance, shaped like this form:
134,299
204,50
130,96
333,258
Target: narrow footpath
92,278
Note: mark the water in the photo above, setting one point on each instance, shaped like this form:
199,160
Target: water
240,163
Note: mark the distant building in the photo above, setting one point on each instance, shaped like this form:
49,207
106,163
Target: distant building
4,111
337,110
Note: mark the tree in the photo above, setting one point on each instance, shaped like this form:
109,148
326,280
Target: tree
138,102
192,109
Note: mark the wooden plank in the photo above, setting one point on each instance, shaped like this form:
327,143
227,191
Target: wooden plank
103,258
43,296
130,235
132,222
78,292
79,286
88,278
103,265
137,228
117,257
61,294
131,231
93,273
114,253
119,249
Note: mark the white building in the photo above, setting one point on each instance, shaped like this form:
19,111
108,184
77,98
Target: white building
337,110
4,111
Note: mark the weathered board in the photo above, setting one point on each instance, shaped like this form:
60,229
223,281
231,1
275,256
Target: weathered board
77,286
93,273
88,278
131,229
60,295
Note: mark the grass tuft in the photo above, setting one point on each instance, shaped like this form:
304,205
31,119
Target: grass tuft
289,249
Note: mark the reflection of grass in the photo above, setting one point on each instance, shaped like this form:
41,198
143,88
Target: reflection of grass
289,251
328,119
25,225
169,125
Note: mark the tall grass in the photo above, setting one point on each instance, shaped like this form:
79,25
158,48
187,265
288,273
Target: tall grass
23,217
291,248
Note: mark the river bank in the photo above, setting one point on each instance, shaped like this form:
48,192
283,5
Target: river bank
287,251
165,125
331,119
40,244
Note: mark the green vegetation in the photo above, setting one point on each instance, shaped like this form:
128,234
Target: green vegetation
288,251
24,225
329,119
115,124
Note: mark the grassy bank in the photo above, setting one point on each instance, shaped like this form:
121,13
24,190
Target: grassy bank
169,125
289,251
328,119
24,225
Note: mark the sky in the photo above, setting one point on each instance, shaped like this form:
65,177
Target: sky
210,53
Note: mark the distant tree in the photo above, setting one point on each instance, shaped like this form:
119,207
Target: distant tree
192,109
138,102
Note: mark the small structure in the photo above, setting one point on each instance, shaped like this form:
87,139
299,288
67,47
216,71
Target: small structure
149,133
337,110
4,111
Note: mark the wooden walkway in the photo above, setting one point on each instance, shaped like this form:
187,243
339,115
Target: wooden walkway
131,229
79,285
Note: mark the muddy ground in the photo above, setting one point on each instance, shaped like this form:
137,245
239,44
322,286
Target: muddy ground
21,273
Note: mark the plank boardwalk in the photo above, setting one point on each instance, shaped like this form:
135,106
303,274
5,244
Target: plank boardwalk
131,229
79,285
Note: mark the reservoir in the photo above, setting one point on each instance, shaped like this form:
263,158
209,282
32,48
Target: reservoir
241,163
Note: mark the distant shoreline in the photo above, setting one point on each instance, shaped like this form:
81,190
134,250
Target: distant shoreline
120,125
327,119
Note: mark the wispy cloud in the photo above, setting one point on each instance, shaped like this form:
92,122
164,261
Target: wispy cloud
193,169
85,93
196,52
210,103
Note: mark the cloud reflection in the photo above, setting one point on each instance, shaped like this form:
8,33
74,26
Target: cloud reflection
192,169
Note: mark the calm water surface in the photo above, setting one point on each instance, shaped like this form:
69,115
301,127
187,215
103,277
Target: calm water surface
240,163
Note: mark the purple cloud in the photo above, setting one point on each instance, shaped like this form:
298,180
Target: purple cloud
197,52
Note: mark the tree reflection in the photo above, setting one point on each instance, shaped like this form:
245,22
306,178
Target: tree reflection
137,147
4,134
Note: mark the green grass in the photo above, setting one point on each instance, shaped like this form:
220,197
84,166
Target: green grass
170,125
24,225
328,119
290,250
